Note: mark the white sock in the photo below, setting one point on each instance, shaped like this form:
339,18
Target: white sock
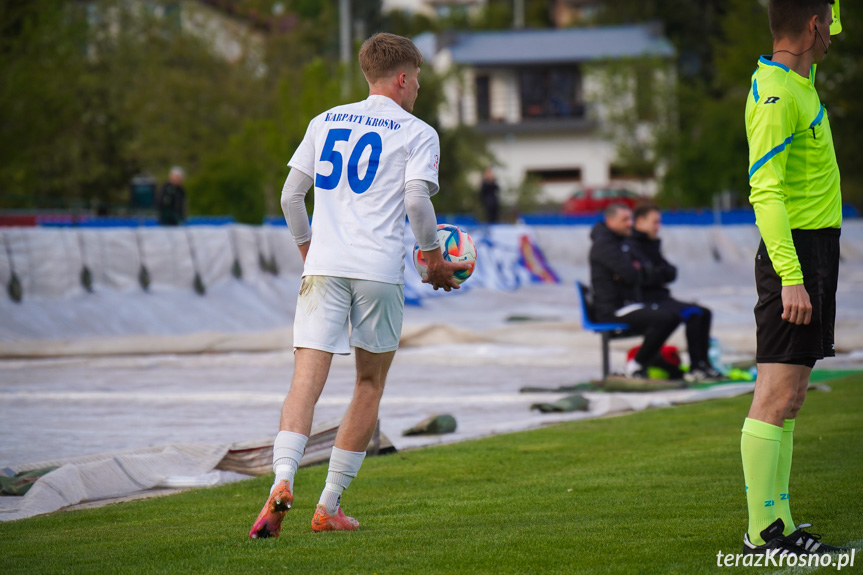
287,453
344,466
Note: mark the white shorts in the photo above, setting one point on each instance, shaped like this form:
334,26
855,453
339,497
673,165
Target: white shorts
327,305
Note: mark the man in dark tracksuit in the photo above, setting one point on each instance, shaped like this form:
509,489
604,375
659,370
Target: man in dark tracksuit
172,199
616,278
656,274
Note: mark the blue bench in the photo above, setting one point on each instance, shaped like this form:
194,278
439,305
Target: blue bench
608,331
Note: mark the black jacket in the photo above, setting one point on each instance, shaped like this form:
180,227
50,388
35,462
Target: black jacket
614,278
656,272
488,191
172,205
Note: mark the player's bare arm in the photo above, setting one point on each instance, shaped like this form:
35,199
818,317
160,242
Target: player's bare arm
304,250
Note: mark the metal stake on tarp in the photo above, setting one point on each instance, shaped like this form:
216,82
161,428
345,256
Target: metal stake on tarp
143,272
198,284
274,267
262,261
13,288
236,268
86,274
265,263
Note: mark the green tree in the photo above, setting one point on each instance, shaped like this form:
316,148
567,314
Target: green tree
40,50
463,150
840,83
699,144
712,153
718,44
93,93
693,28
98,92
635,104
254,160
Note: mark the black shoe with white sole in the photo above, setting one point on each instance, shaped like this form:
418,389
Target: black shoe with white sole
774,542
704,374
713,373
811,542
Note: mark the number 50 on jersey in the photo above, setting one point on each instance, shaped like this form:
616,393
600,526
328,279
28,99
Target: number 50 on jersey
334,157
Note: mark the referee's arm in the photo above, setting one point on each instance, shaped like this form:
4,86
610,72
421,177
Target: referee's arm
770,130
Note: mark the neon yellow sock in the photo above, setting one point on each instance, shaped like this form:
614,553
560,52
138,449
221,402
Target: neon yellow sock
759,448
781,494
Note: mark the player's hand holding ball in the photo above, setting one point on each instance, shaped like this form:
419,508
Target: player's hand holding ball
454,263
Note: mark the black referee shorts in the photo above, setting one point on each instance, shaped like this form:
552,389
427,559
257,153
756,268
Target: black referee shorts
778,340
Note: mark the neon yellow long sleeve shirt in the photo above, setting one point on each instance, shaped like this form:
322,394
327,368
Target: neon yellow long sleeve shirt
793,174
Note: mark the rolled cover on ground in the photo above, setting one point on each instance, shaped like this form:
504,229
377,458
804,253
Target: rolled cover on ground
256,457
616,383
433,425
560,389
569,403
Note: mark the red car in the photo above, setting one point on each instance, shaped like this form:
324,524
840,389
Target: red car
593,200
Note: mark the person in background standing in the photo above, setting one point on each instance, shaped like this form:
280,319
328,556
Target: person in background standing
172,199
488,195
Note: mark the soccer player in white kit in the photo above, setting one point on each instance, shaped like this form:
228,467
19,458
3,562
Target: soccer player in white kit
371,163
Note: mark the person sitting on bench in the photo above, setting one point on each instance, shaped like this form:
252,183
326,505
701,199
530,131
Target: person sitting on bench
616,279
656,274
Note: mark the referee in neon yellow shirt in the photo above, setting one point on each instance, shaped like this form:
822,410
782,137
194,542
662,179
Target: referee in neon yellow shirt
798,208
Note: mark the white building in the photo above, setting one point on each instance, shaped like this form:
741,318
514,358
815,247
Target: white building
429,8
229,36
555,104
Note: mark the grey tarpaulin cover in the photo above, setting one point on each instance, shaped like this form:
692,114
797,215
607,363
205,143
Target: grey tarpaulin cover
110,475
129,473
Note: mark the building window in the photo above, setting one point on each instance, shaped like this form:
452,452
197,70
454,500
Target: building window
551,92
559,176
483,99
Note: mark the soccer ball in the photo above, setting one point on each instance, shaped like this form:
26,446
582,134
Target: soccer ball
456,245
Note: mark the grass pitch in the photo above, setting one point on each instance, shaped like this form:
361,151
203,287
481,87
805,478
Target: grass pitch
654,492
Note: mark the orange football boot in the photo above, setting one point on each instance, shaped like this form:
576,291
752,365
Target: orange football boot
323,521
269,522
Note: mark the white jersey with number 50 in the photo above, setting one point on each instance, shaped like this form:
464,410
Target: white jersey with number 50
360,157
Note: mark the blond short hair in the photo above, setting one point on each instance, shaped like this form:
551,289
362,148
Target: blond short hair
384,54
